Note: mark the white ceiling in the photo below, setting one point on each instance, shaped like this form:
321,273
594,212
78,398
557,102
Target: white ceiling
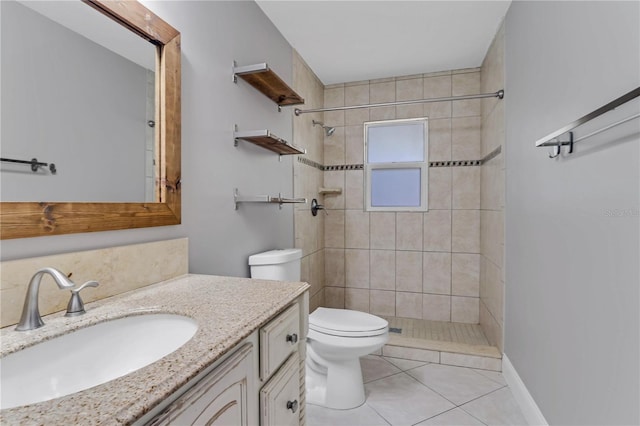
362,40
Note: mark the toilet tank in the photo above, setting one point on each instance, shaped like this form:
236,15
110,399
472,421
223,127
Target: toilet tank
281,265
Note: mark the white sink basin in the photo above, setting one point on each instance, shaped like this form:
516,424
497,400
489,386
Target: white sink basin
89,357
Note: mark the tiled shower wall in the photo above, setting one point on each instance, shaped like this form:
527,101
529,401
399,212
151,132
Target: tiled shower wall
307,178
492,196
414,265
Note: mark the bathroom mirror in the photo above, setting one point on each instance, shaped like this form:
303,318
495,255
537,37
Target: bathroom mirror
21,219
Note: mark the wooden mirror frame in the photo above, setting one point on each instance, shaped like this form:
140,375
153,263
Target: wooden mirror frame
36,219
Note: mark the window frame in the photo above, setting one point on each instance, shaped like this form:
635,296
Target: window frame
422,165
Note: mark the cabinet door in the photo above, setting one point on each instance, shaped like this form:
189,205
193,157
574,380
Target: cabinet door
280,397
220,398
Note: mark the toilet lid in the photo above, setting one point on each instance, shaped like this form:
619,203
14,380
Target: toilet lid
345,322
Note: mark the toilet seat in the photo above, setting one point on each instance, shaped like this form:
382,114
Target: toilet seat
346,323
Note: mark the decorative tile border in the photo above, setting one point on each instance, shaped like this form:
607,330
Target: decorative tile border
458,163
345,167
493,154
311,163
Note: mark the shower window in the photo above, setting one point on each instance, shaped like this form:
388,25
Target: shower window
396,165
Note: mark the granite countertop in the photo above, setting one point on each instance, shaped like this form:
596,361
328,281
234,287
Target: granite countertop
227,310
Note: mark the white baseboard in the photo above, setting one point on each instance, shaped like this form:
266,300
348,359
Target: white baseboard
530,410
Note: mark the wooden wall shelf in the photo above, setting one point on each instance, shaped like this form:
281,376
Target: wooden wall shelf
268,83
268,140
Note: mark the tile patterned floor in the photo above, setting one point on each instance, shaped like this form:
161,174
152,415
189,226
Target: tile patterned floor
405,392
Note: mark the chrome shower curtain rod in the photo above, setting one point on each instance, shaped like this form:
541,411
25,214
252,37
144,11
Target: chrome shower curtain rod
499,94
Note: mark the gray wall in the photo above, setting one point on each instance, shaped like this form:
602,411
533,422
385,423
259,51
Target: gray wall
213,35
572,224
69,101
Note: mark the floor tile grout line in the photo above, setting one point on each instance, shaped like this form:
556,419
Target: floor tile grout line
454,403
444,412
376,411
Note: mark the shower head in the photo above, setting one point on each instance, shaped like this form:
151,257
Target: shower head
328,130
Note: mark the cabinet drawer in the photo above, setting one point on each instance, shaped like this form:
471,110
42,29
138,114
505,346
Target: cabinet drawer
280,397
278,339
219,398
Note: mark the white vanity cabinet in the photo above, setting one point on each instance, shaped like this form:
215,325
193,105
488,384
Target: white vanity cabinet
220,398
260,382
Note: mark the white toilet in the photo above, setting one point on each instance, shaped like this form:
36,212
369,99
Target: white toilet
337,338
336,341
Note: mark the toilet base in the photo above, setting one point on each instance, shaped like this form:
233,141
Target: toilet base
338,386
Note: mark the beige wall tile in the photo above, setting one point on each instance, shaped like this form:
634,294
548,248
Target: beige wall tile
304,269
492,236
465,138
436,273
334,148
382,302
356,95
492,289
334,229
465,187
492,330
465,274
439,140
334,267
466,84
354,189
411,353
437,73
493,129
117,269
354,150
439,188
356,299
437,230
383,269
334,297
408,305
334,179
437,87
409,271
465,231
465,309
356,83
409,111
357,268
471,361
411,89
436,307
492,71
383,230
316,301
382,92
492,184
318,278
306,232
334,97
382,113
409,231
356,229
356,117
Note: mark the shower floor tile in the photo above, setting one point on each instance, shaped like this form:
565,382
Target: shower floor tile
436,337
470,334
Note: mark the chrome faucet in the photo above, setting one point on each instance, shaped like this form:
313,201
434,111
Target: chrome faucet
31,318
76,305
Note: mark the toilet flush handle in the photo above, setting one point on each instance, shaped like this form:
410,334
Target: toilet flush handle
293,338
